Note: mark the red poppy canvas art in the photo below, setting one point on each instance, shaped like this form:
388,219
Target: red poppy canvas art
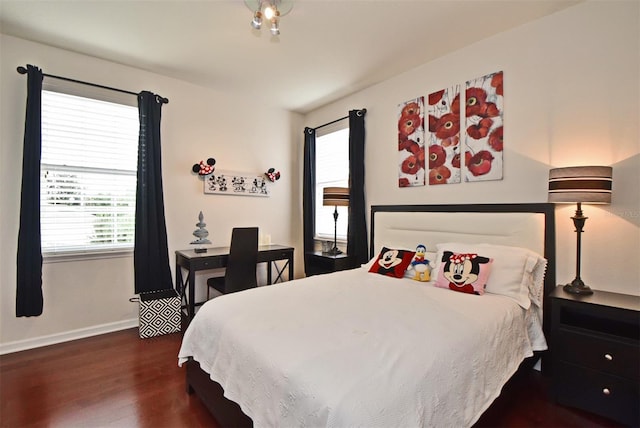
411,153
483,140
444,136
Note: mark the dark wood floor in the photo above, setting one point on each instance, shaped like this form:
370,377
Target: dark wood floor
120,380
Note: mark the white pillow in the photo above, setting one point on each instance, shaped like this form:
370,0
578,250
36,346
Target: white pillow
516,273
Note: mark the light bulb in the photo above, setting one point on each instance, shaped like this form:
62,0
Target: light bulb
269,11
275,27
257,20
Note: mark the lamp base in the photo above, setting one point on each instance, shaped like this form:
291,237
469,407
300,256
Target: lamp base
577,287
334,251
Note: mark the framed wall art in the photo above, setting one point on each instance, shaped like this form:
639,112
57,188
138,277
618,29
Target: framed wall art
411,153
236,183
444,136
483,142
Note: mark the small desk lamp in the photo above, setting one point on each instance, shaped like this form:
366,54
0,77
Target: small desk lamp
335,196
580,184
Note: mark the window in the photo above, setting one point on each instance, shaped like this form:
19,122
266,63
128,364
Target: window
88,174
332,170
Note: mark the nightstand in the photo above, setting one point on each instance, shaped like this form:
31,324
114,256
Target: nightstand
595,351
318,262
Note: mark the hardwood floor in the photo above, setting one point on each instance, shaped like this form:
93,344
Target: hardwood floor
120,380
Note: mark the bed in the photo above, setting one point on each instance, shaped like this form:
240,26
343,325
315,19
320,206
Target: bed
357,348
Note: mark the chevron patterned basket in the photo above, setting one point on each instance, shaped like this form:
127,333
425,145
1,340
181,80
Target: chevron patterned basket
159,313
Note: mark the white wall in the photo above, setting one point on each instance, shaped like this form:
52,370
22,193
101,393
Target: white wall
571,83
247,135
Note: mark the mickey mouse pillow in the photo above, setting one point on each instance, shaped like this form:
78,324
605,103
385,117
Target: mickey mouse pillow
392,262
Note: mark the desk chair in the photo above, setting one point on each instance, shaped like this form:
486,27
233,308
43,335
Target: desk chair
240,273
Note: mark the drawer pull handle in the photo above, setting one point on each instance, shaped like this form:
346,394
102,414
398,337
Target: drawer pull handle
608,357
606,391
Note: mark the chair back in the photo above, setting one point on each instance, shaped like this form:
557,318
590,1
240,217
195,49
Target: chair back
243,260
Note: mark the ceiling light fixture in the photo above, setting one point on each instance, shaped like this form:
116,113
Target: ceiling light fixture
271,10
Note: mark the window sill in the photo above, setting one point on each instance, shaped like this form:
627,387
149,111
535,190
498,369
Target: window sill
80,256
327,238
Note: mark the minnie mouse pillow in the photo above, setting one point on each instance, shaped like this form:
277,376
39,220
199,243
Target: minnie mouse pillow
464,272
392,262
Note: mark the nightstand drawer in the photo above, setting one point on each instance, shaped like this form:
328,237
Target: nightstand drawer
607,395
598,352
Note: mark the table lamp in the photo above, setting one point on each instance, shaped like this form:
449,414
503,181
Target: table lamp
335,196
580,184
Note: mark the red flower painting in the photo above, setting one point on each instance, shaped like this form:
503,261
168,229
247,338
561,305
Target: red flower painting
411,143
444,136
484,128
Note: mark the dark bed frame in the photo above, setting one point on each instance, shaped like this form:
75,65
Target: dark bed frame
229,414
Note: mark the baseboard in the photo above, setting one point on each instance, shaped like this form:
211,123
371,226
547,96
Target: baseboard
37,342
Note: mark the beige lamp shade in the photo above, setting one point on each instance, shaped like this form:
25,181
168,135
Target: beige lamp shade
585,184
335,196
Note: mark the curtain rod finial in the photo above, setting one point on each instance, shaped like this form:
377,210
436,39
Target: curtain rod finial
22,70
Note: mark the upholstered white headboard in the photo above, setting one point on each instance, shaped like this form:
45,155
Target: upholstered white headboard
407,229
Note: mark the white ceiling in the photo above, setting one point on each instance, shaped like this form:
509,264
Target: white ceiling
327,48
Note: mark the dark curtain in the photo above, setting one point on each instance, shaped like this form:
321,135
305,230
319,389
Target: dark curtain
357,229
151,254
29,299
308,191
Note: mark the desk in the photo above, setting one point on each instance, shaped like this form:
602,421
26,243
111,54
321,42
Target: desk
217,258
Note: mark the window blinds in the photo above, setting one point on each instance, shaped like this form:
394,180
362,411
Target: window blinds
88,174
332,170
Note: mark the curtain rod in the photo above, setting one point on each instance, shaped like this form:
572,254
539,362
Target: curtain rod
23,70
360,113
331,123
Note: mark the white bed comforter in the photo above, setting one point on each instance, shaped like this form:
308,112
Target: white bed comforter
359,349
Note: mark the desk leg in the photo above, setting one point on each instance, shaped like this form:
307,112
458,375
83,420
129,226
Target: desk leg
280,271
192,294
185,286
290,268
179,284
269,272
